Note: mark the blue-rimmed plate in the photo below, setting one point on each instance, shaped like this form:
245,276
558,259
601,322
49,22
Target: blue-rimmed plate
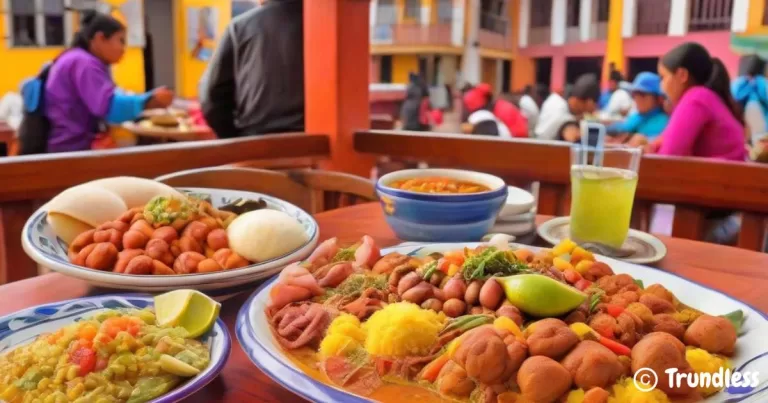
24,326
253,331
42,245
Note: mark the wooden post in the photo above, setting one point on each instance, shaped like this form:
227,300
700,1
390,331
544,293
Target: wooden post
336,63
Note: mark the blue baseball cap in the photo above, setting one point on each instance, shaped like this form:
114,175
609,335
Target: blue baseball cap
647,83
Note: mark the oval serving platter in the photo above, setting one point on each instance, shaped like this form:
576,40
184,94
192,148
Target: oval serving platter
42,245
24,326
255,336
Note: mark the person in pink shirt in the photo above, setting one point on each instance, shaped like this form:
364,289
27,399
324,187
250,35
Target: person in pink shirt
705,120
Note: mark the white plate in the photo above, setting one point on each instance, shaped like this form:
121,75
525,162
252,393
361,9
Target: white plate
24,326
42,245
519,201
649,249
253,330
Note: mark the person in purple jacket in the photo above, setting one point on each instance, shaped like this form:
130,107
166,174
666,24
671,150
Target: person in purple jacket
705,120
80,95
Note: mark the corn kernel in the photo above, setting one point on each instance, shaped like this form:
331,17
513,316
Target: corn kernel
44,383
72,372
9,393
75,392
561,264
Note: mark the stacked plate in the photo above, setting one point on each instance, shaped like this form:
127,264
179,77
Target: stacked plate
518,216
44,247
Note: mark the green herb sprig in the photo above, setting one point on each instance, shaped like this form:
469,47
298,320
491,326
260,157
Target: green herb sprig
492,262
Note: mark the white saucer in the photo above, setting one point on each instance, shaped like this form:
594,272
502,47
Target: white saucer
648,249
518,202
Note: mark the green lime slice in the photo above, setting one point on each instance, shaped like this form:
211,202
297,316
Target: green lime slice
189,309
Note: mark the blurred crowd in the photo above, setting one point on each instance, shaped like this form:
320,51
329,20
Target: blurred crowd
688,107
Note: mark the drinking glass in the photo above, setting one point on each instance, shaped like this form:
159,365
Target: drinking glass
603,182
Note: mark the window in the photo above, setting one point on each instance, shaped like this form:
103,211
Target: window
241,6
765,14
710,15
445,11
492,16
38,23
386,13
574,13
412,10
385,69
541,13
653,17
603,10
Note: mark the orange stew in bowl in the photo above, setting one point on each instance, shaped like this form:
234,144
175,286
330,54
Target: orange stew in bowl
436,184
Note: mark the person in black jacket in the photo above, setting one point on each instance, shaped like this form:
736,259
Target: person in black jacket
254,83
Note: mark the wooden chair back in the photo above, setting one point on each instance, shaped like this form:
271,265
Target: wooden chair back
312,190
695,186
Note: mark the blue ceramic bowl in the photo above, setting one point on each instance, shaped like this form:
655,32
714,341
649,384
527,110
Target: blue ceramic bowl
426,217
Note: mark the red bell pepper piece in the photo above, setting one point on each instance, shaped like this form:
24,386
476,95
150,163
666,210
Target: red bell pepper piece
615,346
613,310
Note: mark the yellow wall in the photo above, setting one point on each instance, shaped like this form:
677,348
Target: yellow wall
402,65
755,19
188,69
22,63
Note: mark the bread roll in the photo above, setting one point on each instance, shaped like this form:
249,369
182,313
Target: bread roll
265,234
66,227
136,192
81,208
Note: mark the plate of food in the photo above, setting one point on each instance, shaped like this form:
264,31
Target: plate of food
116,348
497,322
139,234
171,125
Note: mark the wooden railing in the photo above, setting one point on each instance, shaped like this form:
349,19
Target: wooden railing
710,15
412,34
695,186
653,17
27,182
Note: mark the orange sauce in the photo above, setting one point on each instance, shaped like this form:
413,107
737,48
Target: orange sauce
438,184
307,361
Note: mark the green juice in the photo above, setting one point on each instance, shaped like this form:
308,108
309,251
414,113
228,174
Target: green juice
601,204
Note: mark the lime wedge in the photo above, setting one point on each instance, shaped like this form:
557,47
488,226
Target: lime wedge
541,296
175,366
189,309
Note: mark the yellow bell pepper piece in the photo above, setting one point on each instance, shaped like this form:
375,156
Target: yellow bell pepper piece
503,322
561,264
453,269
580,254
564,247
453,346
583,266
581,329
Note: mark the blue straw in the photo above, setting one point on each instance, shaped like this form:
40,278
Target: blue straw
599,147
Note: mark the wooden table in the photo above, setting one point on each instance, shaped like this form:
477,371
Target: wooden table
738,272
